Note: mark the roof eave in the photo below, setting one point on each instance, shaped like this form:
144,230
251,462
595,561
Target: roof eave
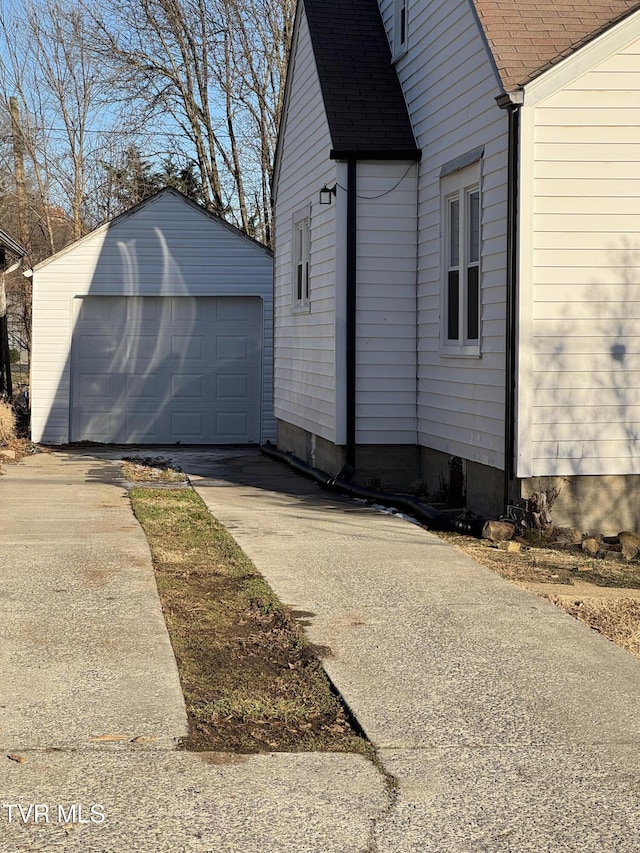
14,247
414,154
514,98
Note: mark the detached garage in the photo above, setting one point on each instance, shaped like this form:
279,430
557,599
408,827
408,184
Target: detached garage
154,329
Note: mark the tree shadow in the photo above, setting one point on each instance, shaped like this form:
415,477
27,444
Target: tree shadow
586,396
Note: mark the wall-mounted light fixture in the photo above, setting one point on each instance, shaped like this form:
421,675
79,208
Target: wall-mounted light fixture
326,193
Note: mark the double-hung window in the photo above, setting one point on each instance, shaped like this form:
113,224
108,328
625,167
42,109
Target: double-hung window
301,257
461,244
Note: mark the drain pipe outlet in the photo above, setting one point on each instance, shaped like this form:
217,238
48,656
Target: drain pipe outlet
425,514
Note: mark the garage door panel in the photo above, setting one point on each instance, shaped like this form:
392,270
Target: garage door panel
141,426
187,347
232,387
187,425
233,423
97,346
147,347
185,309
232,348
106,311
149,308
141,385
174,369
187,386
95,386
233,311
97,425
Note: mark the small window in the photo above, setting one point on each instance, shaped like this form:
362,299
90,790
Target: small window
301,257
400,30
461,253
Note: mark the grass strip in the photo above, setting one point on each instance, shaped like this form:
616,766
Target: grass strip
251,680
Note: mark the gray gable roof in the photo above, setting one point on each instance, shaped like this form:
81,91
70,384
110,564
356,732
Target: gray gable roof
363,100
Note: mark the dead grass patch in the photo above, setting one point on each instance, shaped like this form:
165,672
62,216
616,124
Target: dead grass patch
615,616
251,681
617,620
12,447
151,469
7,424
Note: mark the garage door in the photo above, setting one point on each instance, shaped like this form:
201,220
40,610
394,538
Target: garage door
163,369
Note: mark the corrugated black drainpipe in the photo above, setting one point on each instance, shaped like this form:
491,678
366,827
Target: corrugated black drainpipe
511,285
427,515
350,347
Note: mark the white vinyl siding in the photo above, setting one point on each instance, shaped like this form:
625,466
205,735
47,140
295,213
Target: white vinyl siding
450,88
307,368
386,303
580,355
167,247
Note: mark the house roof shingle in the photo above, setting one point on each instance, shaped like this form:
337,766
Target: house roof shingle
528,36
364,104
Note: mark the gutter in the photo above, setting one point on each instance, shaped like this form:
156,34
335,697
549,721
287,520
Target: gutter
351,317
432,518
512,103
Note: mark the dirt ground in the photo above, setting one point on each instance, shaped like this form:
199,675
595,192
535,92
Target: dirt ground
602,593
251,681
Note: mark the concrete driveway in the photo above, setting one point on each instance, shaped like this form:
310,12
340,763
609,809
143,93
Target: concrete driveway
501,723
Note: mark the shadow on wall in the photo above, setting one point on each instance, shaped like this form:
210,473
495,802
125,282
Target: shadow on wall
586,380
145,364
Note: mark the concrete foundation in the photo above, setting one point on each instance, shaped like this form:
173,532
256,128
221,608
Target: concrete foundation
380,466
402,467
593,504
604,504
460,482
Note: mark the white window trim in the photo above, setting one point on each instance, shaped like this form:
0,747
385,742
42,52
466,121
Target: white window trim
458,186
400,28
301,261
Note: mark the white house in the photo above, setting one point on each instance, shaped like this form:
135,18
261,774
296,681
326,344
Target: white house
155,328
469,298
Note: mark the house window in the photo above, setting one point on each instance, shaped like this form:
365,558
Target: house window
400,27
461,266
301,254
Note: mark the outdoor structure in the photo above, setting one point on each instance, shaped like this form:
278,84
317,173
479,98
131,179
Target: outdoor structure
155,328
457,263
11,255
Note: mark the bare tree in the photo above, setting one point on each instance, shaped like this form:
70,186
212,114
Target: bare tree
63,94
211,74
197,83
251,73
